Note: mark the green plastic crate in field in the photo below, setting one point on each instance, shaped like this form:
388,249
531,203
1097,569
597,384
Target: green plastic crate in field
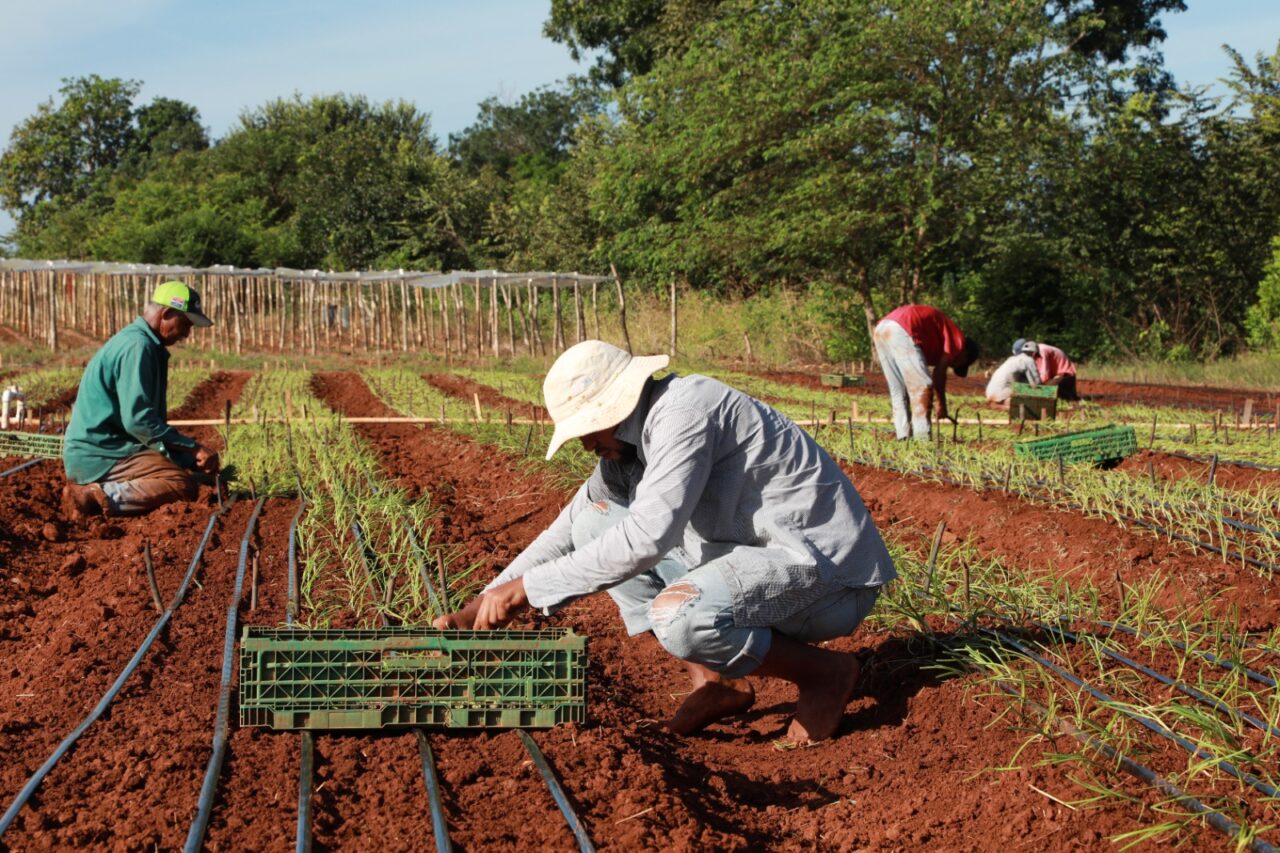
30,444
1032,402
297,678
841,380
1103,445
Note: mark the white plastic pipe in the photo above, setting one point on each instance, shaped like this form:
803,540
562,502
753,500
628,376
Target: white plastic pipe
13,392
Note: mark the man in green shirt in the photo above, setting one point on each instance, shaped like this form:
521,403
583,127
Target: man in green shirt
120,455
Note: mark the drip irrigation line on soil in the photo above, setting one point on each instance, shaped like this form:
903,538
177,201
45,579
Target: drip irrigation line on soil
438,825
63,748
1208,656
306,780
1215,818
208,790
557,792
1226,553
1257,466
1154,726
1190,508
306,770
1198,695
291,609
24,466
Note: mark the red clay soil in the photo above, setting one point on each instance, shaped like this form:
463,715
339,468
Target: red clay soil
1168,467
464,388
907,768
209,398
1067,544
74,606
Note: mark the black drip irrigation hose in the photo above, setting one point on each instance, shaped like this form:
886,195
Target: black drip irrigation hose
306,771
209,789
1198,510
1186,689
1258,466
291,610
24,466
1114,704
430,777
438,824
1215,818
1227,554
306,780
557,793
1211,658
63,748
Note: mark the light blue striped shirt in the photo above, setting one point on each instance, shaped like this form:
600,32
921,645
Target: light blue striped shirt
719,474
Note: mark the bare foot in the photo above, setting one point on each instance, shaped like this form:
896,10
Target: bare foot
711,701
821,706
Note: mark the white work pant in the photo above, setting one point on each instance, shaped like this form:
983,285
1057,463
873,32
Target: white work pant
910,384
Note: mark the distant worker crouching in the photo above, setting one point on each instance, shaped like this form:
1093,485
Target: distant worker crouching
1052,365
120,455
714,522
1015,368
909,341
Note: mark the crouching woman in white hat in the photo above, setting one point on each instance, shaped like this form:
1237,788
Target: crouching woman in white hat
714,522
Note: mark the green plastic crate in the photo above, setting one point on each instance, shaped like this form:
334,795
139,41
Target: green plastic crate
30,444
1022,389
297,678
1033,402
1103,445
840,380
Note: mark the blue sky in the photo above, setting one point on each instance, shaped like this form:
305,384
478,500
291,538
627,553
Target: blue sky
224,56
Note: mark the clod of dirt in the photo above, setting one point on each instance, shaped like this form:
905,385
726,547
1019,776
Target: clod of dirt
52,532
111,531
73,565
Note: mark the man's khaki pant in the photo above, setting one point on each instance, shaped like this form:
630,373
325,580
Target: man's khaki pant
144,481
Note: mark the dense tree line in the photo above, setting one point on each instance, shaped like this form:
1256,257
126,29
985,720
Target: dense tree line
1031,167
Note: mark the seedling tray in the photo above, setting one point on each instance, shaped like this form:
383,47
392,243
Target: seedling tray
296,678
1104,445
31,444
841,380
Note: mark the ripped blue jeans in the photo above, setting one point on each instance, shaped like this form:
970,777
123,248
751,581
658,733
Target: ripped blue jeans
700,626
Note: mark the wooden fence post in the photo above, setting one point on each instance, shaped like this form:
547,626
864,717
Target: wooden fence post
622,307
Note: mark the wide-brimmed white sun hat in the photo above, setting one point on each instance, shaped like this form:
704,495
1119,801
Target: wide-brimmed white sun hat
593,386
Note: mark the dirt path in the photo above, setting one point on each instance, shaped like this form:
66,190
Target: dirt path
906,738
464,388
1169,467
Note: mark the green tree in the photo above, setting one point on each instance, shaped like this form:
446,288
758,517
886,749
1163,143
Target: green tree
629,36
63,150
533,134
336,174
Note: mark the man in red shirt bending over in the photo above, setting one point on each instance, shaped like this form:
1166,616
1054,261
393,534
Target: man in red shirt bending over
909,341
1053,366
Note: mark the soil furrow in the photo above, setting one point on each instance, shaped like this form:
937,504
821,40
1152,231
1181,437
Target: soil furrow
730,788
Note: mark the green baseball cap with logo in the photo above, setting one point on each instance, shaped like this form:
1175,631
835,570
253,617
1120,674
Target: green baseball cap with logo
176,295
